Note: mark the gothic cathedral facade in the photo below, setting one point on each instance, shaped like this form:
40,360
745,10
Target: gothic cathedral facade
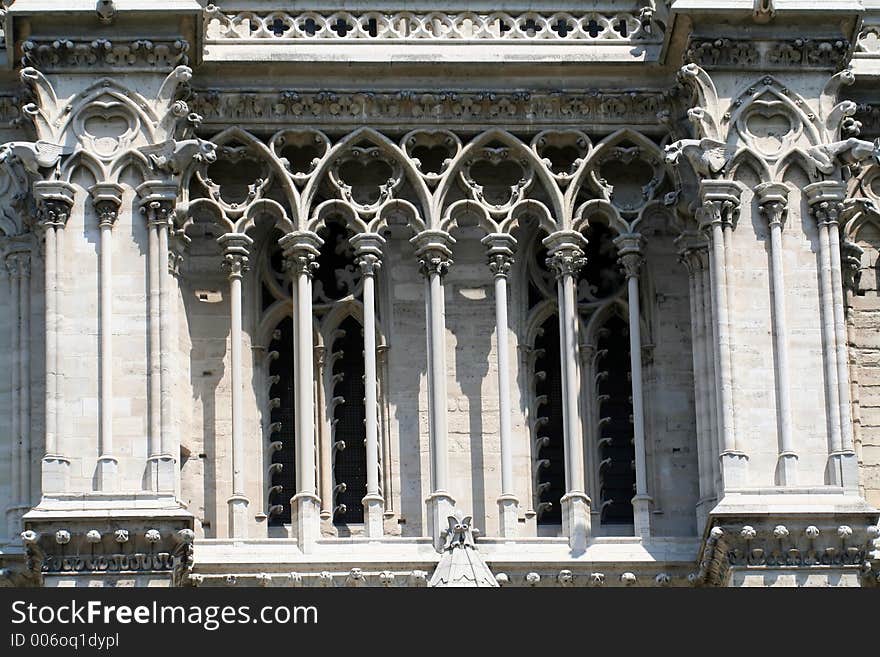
542,294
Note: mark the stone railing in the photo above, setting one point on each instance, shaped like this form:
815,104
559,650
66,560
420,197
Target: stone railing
561,27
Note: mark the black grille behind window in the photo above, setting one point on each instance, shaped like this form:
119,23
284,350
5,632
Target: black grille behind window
282,367
616,451
551,450
350,467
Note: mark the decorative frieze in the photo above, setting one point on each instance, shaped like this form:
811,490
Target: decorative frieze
790,544
532,110
333,27
124,54
802,53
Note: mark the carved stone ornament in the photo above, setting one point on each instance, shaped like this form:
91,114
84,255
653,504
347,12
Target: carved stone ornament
714,52
104,54
528,109
460,564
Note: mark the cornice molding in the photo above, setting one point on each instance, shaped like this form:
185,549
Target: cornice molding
711,52
533,110
104,55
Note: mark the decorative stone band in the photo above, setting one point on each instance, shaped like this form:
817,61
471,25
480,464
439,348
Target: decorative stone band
534,111
53,548
123,54
713,52
792,543
333,27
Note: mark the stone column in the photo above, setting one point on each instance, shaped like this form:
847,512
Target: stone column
301,252
13,268
566,257
773,202
324,376
368,254
157,203
24,365
106,199
235,262
434,254
692,254
720,200
500,246
631,258
826,200
54,202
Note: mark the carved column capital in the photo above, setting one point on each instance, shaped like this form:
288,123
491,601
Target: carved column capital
106,199
773,202
720,203
693,251
157,200
500,252
434,251
301,250
826,201
54,200
565,252
235,254
368,252
629,253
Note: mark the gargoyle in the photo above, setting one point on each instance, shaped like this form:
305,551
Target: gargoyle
33,155
174,156
847,152
707,157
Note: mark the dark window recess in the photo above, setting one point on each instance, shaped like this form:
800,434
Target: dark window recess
616,452
549,442
283,390
350,463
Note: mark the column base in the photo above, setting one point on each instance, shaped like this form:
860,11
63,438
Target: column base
55,474
508,516
107,474
374,515
238,516
162,473
734,469
305,509
440,507
576,521
786,469
642,505
843,470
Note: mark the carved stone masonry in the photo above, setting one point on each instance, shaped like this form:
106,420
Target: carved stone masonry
54,212
235,264
566,261
369,263
158,213
630,254
725,212
101,54
827,213
108,213
434,262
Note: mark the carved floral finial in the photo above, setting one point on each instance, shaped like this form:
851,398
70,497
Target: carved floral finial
62,537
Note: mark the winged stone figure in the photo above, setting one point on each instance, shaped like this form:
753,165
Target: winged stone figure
33,155
707,157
